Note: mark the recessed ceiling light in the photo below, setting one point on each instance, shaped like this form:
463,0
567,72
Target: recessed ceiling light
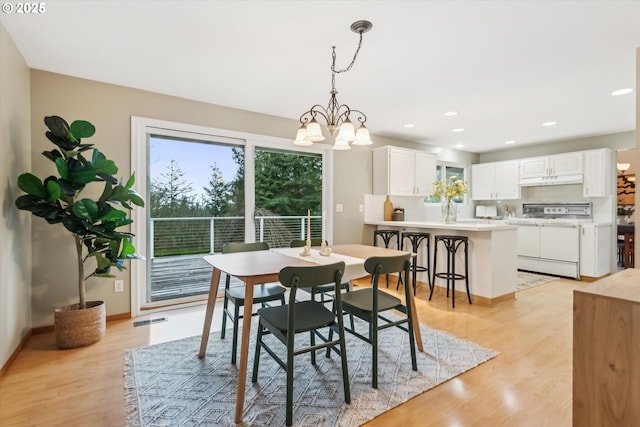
510,142
549,123
459,145
621,91
437,150
459,130
451,113
409,125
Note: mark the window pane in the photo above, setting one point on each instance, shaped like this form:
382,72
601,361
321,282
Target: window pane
287,185
196,204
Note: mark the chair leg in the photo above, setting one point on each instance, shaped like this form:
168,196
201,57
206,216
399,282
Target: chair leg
234,349
374,347
312,341
289,420
256,357
225,304
343,357
433,271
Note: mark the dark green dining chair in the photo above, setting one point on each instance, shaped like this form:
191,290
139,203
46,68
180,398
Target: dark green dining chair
285,322
262,294
325,291
368,304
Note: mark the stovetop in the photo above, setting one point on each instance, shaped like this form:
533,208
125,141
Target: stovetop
577,211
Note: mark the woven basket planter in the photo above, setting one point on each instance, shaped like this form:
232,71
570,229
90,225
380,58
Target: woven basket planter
78,328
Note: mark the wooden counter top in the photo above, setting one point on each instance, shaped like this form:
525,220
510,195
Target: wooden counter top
623,285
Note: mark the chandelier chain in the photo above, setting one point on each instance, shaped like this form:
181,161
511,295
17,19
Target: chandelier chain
333,63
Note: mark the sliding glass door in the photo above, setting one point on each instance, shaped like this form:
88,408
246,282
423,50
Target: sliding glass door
206,187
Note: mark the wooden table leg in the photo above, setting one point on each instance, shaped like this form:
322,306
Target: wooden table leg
416,322
211,303
244,350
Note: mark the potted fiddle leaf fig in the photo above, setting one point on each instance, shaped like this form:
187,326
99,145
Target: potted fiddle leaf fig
94,223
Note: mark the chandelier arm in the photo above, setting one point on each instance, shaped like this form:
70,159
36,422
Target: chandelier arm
313,111
362,118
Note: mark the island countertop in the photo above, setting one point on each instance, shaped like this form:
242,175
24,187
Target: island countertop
460,226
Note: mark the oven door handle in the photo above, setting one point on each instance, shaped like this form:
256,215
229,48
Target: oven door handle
553,224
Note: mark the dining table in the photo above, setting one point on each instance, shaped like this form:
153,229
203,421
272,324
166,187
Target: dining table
258,267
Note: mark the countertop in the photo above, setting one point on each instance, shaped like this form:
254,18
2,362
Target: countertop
481,225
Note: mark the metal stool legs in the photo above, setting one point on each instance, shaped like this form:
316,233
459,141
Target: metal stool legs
416,238
386,236
451,244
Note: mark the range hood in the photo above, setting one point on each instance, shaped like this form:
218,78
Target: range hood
551,180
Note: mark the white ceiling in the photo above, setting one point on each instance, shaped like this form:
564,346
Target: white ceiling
505,66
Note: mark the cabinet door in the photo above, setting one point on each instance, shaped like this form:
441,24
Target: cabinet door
566,164
506,180
482,181
401,172
534,167
529,240
425,173
597,174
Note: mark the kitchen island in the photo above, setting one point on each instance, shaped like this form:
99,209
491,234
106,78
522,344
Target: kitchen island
492,256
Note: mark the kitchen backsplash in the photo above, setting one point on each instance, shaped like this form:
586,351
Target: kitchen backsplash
416,210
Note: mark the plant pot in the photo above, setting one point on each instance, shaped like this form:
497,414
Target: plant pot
78,328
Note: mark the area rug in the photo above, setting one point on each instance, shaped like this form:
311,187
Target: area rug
528,280
168,385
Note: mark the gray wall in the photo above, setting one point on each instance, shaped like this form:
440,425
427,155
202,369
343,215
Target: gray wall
15,227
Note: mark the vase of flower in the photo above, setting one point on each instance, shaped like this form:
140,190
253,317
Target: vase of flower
449,211
449,192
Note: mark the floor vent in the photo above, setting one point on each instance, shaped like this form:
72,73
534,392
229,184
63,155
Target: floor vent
150,321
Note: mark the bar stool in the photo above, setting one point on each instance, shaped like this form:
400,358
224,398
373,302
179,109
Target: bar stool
386,236
451,244
416,238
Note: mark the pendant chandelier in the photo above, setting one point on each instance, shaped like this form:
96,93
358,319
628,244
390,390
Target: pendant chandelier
337,117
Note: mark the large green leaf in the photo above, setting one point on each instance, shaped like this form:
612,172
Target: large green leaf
31,184
82,129
54,190
63,168
58,126
86,209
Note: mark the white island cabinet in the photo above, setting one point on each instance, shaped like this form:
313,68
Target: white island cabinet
403,172
492,257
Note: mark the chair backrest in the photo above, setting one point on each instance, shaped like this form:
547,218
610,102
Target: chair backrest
305,277
232,247
300,243
377,265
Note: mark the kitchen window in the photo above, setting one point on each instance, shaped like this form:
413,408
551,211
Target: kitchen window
445,171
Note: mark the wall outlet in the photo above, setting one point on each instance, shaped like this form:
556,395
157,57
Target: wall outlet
118,286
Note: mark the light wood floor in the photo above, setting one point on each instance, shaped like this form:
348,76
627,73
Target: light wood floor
527,384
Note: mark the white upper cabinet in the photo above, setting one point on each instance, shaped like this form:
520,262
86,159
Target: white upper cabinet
495,181
597,173
557,169
403,172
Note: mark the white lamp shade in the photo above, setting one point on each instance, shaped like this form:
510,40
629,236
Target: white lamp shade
362,136
302,133
341,144
347,131
314,132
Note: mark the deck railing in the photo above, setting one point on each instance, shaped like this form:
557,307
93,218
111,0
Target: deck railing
202,235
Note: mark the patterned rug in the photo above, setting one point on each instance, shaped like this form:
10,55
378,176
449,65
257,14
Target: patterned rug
528,280
168,385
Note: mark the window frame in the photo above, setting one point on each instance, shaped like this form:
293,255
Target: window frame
142,128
